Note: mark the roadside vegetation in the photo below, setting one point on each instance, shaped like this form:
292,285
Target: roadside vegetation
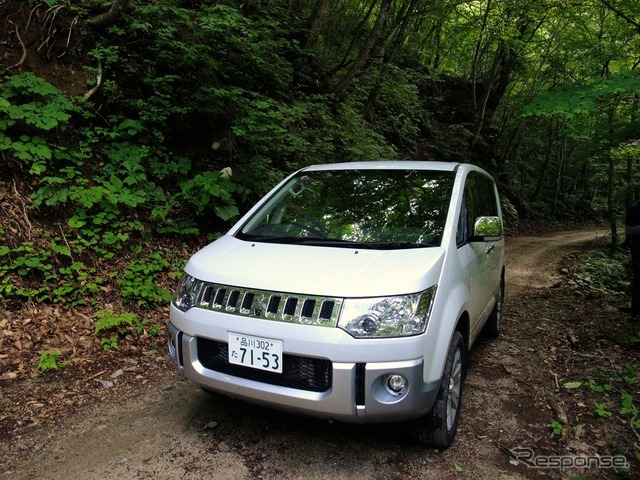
610,387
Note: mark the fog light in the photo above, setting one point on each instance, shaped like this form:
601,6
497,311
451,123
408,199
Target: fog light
396,384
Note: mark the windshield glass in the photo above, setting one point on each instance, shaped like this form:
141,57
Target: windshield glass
356,208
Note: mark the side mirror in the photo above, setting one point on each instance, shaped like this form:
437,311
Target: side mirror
486,229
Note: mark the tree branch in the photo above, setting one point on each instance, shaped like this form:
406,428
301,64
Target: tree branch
109,17
621,14
95,88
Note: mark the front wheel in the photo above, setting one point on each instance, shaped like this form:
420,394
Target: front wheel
439,427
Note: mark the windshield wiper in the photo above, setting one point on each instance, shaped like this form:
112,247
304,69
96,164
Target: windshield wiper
334,242
319,241
392,245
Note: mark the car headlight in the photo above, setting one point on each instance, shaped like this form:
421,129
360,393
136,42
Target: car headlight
398,316
186,293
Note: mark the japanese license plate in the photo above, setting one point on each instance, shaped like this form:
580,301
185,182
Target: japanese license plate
255,352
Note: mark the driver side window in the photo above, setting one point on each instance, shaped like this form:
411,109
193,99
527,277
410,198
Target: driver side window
479,200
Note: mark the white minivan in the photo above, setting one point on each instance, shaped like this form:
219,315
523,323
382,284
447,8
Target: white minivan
351,291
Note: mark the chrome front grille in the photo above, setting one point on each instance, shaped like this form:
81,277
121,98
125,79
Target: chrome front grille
277,306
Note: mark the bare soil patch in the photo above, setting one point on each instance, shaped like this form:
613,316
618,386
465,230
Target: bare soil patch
151,423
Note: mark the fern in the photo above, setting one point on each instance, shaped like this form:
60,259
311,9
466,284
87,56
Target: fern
108,320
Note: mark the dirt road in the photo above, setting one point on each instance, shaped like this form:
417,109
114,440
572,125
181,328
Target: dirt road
175,430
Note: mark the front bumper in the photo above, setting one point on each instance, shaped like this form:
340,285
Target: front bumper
355,393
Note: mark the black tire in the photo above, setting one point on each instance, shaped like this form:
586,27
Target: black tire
439,427
492,327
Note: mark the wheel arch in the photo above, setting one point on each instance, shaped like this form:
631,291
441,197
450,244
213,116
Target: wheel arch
464,327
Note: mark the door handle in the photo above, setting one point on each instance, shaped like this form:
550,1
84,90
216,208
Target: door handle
489,249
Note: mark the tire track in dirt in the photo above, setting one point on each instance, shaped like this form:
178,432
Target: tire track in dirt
531,261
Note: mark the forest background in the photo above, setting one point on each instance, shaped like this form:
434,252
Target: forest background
133,132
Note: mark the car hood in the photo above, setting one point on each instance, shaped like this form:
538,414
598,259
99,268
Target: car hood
316,270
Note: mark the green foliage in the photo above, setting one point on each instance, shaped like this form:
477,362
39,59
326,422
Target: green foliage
100,198
46,273
139,281
109,343
200,191
601,410
117,326
269,126
108,320
603,272
615,399
556,427
586,96
572,385
31,108
50,361
604,389
629,408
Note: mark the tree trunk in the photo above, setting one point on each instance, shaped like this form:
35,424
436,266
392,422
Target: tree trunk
631,193
561,156
547,161
353,33
476,55
611,211
496,84
403,21
317,22
363,55
437,46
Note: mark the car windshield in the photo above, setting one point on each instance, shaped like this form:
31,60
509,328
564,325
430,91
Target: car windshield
386,209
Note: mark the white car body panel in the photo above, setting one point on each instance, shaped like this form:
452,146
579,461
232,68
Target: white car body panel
313,270
467,278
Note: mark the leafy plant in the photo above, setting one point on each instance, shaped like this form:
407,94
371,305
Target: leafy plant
625,382
601,410
30,104
603,272
605,389
46,273
155,331
121,324
138,281
109,343
556,427
49,361
201,191
109,320
628,406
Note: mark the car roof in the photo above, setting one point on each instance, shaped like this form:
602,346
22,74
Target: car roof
387,165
